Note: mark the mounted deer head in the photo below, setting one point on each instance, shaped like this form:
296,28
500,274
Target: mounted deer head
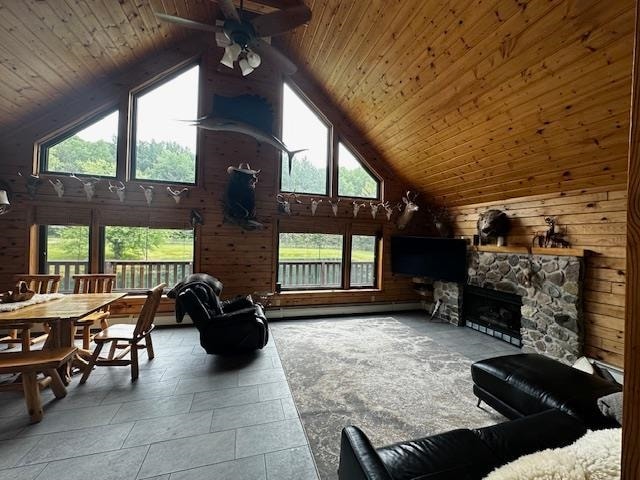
148,193
374,206
284,202
334,207
314,205
177,194
118,189
88,185
356,208
58,186
388,209
33,183
410,208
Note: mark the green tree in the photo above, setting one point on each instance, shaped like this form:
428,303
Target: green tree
132,243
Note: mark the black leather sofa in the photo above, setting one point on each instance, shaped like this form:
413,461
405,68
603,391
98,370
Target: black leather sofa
551,405
527,383
458,454
226,327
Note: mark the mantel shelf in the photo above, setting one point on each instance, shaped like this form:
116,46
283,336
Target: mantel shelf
524,250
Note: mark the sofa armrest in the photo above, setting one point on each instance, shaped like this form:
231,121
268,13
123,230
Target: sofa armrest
549,429
358,458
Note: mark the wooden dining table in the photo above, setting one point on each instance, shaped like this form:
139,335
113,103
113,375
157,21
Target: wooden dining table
60,314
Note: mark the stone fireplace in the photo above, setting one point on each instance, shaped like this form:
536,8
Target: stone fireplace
549,287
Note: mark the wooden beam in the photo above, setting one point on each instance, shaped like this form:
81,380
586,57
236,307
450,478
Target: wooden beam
631,423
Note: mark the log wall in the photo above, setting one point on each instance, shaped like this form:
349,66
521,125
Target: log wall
594,220
245,261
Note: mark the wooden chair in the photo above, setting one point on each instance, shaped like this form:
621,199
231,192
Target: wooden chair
39,284
29,365
92,283
127,338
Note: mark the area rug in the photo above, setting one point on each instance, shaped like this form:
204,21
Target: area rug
378,374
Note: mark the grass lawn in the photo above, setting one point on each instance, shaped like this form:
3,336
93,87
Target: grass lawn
299,253
61,249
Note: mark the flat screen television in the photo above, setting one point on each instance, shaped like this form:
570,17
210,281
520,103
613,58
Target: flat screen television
436,258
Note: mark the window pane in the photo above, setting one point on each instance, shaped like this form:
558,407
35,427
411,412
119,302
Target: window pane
301,128
310,260
353,179
144,257
66,253
91,151
363,261
165,146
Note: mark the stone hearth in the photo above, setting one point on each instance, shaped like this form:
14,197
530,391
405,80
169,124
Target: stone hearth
551,291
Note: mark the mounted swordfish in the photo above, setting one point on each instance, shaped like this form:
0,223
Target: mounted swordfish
247,114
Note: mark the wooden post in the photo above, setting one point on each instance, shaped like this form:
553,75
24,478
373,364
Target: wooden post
631,423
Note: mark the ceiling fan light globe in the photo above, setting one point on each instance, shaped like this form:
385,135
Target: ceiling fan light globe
231,53
253,59
245,68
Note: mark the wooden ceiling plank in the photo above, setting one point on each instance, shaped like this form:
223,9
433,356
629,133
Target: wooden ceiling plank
138,24
124,26
378,42
108,19
382,81
582,174
26,37
333,30
95,30
551,103
519,85
530,45
333,15
41,77
448,78
81,49
561,156
524,124
295,37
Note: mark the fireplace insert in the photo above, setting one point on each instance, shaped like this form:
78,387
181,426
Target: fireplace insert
492,312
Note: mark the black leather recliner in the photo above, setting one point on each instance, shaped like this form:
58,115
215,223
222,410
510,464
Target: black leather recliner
226,327
458,454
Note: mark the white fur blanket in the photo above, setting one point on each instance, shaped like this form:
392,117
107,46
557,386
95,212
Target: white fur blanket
595,456
37,298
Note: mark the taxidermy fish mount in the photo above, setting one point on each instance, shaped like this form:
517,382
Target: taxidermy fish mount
247,114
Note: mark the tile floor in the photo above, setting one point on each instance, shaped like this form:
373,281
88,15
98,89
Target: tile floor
189,416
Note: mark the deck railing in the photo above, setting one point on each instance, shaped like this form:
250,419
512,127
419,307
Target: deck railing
323,273
130,274
134,274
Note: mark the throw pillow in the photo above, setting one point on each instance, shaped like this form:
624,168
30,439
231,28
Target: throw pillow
603,373
584,364
594,456
611,406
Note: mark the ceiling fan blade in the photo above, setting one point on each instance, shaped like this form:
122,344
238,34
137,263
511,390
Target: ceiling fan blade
282,21
228,10
273,57
185,22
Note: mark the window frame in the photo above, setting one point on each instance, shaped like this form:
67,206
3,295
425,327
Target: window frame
61,136
330,144
347,231
363,164
333,139
43,237
134,94
101,254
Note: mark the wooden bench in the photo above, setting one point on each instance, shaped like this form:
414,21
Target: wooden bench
29,364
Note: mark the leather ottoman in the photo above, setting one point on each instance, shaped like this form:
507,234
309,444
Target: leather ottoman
525,384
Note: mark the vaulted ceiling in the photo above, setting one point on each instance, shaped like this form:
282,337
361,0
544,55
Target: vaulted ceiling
469,100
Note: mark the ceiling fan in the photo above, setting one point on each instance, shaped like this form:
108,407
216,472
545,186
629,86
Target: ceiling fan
242,38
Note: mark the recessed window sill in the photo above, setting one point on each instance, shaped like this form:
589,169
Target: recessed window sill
328,290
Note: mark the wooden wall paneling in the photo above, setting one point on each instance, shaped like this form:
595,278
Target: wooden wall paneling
631,414
593,220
